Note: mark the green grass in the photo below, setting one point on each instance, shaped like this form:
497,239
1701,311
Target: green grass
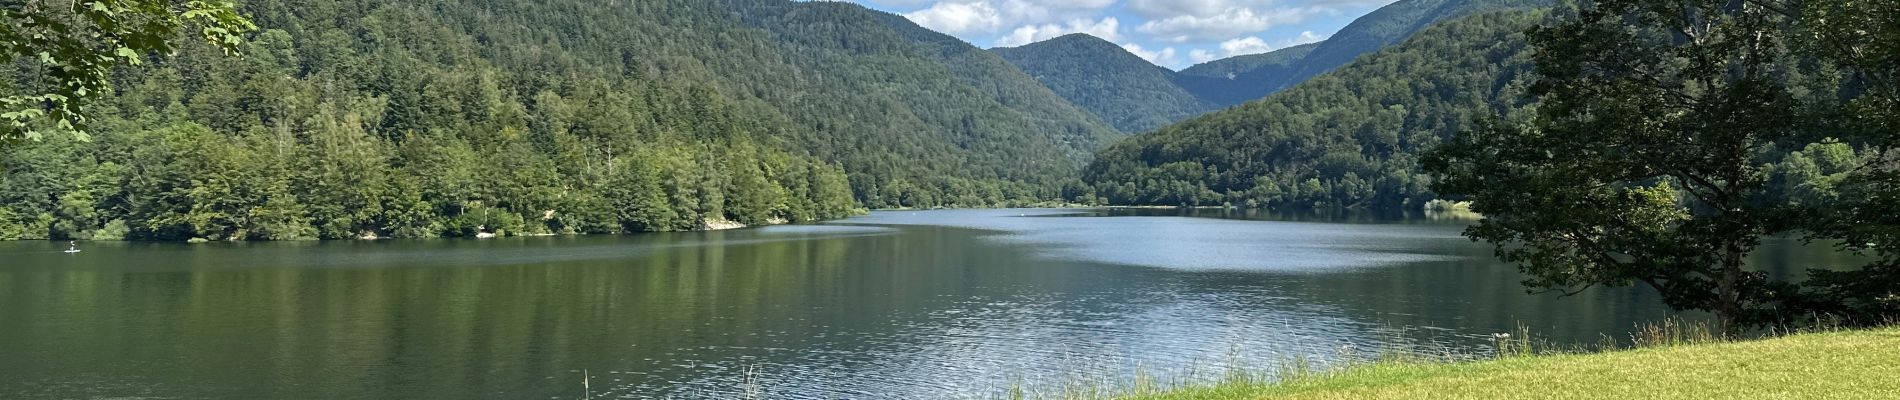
1830,365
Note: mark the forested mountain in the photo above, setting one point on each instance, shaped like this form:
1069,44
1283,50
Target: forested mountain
1240,79
1246,78
1348,138
1386,26
1136,96
420,118
920,118
1120,87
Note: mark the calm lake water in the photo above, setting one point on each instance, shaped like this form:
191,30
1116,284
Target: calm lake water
936,304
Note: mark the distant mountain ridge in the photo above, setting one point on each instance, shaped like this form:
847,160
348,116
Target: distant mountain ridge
1351,138
1118,86
1387,26
1126,90
1240,79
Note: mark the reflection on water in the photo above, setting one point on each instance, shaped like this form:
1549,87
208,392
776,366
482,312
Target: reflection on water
1201,244
891,305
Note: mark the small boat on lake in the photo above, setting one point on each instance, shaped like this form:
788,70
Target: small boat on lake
72,247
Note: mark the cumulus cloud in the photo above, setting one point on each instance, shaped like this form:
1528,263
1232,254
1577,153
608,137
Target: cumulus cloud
1108,29
1200,56
958,18
1166,32
1239,47
992,16
1165,56
1233,22
1244,46
1205,8
1303,38
1198,8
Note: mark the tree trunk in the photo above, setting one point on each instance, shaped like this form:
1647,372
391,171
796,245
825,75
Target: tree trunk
1728,296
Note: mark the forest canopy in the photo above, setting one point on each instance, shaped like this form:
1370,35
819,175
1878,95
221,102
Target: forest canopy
415,119
1350,138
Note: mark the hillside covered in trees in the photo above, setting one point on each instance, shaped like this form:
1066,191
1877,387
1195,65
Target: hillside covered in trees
1350,138
1136,96
1240,79
1127,91
1355,137
1384,27
418,118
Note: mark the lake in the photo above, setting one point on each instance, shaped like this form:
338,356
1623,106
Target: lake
897,304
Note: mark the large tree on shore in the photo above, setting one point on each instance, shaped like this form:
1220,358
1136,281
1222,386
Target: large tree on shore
1862,38
76,43
1643,163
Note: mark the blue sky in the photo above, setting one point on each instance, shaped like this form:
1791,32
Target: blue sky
1171,33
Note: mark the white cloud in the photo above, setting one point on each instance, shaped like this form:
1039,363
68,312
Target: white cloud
1199,8
1244,46
1227,24
1207,8
1247,45
958,18
992,16
1251,45
1200,56
1163,57
1108,29
1303,38
1169,33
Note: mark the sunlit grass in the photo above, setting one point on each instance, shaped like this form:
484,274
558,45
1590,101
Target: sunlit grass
1670,359
1675,361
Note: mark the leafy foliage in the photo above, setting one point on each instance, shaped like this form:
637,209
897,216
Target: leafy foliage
1658,154
76,45
1863,38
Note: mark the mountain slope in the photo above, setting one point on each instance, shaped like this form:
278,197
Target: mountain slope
424,118
1136,96
1240,79
1388,25
916,118
1347,138
902,87
1120,87
1236,80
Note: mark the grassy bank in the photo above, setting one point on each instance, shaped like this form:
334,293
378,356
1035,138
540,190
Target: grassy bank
1831,365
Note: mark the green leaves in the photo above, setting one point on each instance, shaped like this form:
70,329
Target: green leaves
130,56
387,144
79,46
1668,137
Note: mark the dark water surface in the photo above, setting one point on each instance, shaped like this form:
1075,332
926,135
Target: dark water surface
937,304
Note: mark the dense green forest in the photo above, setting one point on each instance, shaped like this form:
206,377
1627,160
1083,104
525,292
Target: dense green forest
918,118
1246,78
1384,27
1354,137
1122,88
1136,96
418,118
1350,138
